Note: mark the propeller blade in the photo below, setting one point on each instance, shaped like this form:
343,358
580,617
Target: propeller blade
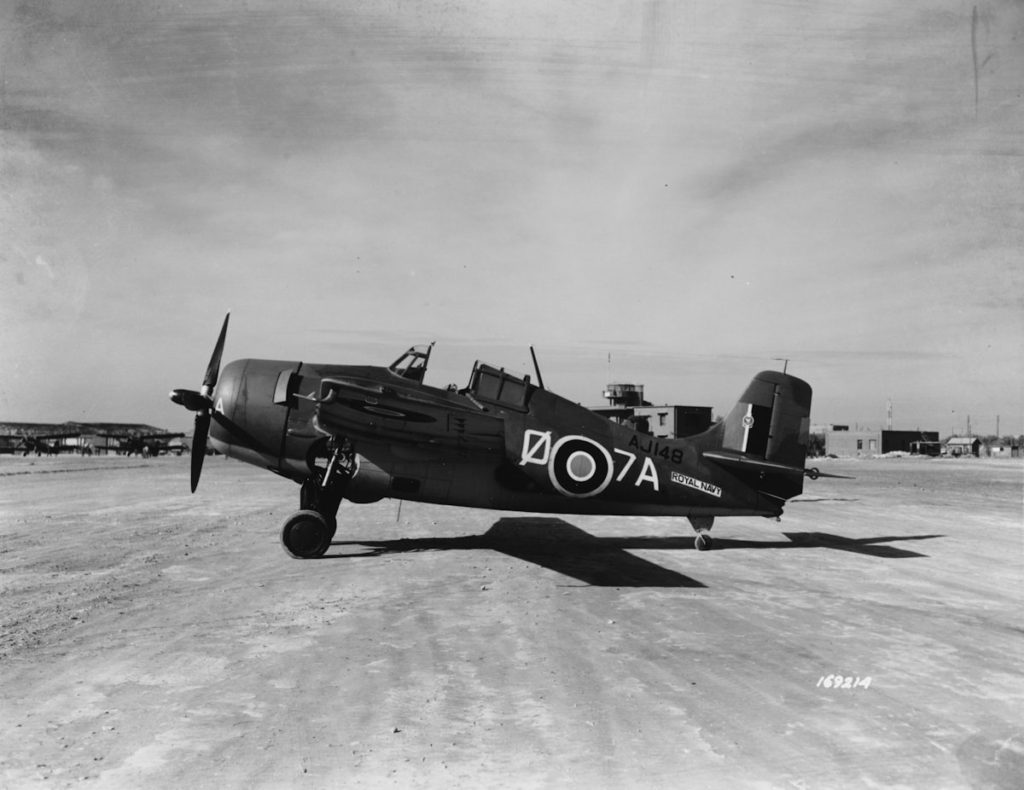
213,369
202,404
199,446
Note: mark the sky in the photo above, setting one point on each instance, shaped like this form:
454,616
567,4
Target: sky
677,194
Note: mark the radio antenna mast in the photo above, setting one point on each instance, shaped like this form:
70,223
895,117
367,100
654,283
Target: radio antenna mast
536,367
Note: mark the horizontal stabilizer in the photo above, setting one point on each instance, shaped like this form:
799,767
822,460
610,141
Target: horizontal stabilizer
740,461
746,463
814,473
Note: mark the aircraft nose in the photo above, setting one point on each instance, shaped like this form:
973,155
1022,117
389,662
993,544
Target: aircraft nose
225,397
248,422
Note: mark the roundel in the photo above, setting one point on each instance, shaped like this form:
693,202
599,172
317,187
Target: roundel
579,467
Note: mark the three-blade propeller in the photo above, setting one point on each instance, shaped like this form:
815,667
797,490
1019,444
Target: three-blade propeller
202,404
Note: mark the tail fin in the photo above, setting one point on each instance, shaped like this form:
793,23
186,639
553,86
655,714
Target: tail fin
764,438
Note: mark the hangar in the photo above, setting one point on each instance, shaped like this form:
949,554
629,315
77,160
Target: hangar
79,437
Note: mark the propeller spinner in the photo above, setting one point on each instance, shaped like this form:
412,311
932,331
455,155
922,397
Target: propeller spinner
201,403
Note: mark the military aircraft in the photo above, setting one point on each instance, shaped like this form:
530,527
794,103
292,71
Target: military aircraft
146,444
48,444
362,433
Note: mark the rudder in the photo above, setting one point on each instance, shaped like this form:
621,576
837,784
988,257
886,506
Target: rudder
764,439
771,420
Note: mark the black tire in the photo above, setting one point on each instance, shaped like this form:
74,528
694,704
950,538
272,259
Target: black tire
306,535
703,541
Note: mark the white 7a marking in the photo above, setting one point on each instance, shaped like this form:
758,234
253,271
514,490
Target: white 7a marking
648,472
630,459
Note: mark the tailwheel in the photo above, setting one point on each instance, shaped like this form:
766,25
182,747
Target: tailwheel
701,525
307,534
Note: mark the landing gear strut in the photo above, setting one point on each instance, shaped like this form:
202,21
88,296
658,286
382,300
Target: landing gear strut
307,533
702,525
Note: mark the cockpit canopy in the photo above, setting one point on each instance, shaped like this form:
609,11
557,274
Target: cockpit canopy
412,364
496,386
486,383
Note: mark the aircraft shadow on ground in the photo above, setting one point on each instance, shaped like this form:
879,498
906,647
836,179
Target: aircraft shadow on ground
554,544
869,546
607,562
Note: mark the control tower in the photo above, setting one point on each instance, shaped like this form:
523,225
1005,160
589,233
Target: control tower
625,395
626,406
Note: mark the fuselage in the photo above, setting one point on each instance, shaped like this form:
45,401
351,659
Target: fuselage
500,443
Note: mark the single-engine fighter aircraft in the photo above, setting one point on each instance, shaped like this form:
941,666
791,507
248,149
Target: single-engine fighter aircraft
362,433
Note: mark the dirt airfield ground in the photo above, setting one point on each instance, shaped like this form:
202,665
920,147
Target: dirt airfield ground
152,638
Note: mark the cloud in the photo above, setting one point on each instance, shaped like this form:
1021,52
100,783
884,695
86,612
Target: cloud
694,187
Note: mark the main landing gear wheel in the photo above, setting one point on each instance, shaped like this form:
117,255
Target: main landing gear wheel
702,541
306,534
309,532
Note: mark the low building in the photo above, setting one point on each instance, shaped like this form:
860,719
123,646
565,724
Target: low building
674,422
628,407
963,445
904,441
926,448
853,444
841,441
